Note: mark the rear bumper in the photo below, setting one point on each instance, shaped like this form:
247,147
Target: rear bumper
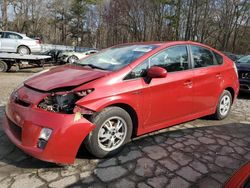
36,49
23,125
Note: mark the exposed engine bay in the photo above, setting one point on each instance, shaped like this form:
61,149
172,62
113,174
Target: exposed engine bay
63,102
59,103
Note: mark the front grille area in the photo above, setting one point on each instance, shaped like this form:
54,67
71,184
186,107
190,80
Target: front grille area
245,75
15,129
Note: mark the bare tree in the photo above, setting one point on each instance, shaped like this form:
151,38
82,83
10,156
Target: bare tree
223,24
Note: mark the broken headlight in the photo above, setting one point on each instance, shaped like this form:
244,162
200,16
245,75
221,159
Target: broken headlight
63,102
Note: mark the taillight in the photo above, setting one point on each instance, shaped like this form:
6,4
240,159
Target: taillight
235,69
38,41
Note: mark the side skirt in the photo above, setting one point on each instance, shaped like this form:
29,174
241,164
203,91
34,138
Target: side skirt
173,122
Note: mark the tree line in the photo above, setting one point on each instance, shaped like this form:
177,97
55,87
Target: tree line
223,24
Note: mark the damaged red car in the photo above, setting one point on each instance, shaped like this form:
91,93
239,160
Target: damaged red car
128,90
240,179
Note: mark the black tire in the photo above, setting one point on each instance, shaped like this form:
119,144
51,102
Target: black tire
23,50
72,59
9,66
3,66
92,142
38,64
219,115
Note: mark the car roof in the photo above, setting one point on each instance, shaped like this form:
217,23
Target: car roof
167,43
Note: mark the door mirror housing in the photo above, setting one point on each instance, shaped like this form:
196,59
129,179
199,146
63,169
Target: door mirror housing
157,72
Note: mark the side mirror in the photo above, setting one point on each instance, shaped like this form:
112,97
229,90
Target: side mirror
157,72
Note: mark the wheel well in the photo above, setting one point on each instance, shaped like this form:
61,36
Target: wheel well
23,46
231,90
132,114
130,111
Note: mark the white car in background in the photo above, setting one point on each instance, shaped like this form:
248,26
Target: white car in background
18,43
71,56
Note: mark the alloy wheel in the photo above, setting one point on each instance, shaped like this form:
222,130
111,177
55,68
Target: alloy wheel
72,59
225,104
23,51
112,133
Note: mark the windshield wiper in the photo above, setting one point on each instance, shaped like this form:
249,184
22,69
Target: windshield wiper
92,66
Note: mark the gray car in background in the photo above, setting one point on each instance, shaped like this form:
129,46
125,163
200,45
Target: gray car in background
18,43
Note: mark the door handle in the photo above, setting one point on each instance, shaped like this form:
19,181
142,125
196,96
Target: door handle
188,84
218,75
138,92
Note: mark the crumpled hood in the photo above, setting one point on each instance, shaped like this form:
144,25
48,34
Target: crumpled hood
64,76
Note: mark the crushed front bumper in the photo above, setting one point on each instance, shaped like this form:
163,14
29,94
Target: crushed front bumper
23,125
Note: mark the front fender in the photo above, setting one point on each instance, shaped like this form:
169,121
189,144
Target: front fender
99,104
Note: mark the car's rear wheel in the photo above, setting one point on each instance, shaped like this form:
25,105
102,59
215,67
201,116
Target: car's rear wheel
73,59
113,130
23,50
224,105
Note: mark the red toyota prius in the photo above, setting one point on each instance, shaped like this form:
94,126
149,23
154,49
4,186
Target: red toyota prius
127,90
241,178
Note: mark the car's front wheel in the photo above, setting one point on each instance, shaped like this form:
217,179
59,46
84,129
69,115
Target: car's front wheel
224,105
73,59
113,130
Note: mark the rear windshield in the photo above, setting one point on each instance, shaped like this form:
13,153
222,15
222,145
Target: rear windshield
245,59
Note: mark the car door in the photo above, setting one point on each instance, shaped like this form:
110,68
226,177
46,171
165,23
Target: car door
170,98
208,78
9,42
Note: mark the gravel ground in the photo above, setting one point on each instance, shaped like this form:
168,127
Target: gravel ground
10,80
201,153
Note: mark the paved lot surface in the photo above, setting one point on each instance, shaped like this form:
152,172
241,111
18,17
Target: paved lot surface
201,153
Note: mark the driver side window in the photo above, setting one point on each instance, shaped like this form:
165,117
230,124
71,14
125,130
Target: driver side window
172,59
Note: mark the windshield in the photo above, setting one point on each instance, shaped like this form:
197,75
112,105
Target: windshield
115,58
245,59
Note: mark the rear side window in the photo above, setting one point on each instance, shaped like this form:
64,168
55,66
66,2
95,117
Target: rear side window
202,57
172,59
12,36
218,58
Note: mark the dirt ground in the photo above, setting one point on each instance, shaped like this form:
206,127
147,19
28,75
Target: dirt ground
10,80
